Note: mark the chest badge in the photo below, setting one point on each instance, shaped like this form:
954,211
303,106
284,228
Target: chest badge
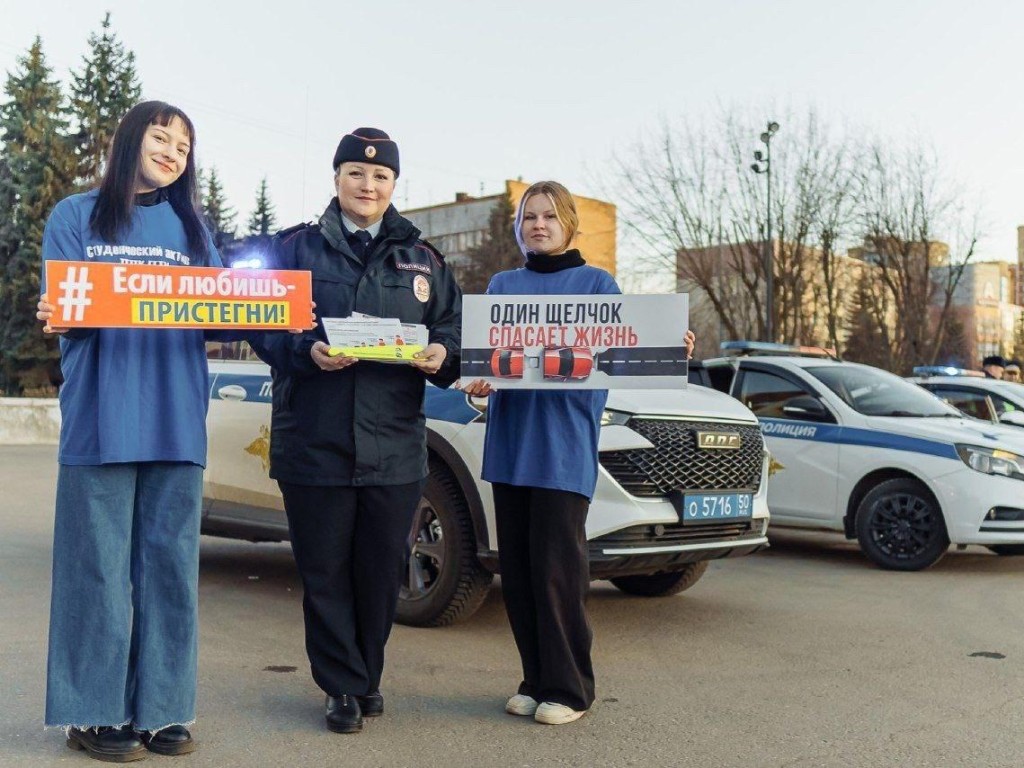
421,288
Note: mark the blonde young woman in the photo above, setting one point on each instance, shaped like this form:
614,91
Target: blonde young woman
541,490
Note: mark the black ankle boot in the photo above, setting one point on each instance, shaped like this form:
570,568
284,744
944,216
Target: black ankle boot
372,705
109,744
172,740
343,714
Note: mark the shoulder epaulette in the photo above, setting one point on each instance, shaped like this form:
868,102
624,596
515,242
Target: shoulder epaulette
284,234
432,250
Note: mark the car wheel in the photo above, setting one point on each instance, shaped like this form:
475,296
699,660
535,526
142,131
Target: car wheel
661,584
444,580
1007,550
900,526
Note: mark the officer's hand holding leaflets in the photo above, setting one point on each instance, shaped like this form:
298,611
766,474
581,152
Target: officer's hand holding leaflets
430,359
382,340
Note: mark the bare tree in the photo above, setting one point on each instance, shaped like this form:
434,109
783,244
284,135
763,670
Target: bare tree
698,210
918,236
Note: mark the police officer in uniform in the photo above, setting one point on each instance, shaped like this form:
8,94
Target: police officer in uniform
348,438
993,366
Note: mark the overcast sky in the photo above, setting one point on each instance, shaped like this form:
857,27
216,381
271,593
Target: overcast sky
477,92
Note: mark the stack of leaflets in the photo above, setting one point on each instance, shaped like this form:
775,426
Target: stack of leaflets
383,339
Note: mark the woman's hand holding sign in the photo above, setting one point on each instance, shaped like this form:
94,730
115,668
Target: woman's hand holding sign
44,311
477,388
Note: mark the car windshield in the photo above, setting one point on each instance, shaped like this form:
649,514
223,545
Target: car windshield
874,392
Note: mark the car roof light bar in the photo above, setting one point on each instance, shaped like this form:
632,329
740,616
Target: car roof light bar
745,348
945,370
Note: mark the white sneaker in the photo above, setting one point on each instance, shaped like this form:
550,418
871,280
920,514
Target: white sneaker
550,713
520,704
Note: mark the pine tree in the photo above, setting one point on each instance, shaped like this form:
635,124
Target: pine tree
868,341
220,217
9,244
954,349
498,252
38,171
263,218
107,87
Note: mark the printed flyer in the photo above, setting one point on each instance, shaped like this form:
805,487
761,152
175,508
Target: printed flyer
95,294
386,340
579,342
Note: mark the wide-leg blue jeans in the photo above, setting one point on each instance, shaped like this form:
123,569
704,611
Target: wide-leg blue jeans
124,604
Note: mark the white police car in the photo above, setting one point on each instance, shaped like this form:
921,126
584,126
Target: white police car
681,482
860,450
972,393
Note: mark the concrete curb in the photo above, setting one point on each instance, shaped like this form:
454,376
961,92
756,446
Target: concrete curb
29,421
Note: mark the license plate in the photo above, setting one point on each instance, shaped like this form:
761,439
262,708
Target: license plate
711,507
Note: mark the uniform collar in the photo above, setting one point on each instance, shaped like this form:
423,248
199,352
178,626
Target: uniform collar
351,227
394,226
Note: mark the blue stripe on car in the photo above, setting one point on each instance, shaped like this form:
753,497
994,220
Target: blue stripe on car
448,405
439,404
831,433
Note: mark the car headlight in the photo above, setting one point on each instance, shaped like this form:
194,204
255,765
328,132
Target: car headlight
992,461
609,417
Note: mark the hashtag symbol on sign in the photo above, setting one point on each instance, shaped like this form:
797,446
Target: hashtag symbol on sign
76,293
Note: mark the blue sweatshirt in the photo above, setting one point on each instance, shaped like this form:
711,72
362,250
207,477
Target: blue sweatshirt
129,395
546,438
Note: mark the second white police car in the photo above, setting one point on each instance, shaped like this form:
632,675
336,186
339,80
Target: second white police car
992,400
862,451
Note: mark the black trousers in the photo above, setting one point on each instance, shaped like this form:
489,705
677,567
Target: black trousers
351,546
542,552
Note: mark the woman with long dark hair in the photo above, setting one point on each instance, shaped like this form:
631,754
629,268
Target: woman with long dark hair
121,668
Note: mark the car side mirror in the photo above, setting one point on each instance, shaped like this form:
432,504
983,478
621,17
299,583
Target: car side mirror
805,407
1015,418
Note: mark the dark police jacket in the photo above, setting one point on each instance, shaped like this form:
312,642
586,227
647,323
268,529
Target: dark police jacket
362,425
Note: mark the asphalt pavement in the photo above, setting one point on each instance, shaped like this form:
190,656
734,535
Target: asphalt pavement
803,656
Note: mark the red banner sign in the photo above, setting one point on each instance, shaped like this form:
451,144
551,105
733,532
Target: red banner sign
91,294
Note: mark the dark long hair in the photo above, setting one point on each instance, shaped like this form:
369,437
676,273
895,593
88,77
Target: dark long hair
115,205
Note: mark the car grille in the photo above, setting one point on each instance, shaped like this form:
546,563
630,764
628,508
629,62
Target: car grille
675,462
668,535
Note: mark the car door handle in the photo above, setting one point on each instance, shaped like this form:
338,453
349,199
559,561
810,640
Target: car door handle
232,392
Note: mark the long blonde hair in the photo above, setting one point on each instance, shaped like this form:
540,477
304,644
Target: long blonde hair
565,210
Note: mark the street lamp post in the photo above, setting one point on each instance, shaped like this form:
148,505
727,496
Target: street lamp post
763,165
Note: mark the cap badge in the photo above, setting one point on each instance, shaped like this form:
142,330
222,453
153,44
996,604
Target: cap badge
371,151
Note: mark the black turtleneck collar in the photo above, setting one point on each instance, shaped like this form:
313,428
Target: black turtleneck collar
151,198
541,263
